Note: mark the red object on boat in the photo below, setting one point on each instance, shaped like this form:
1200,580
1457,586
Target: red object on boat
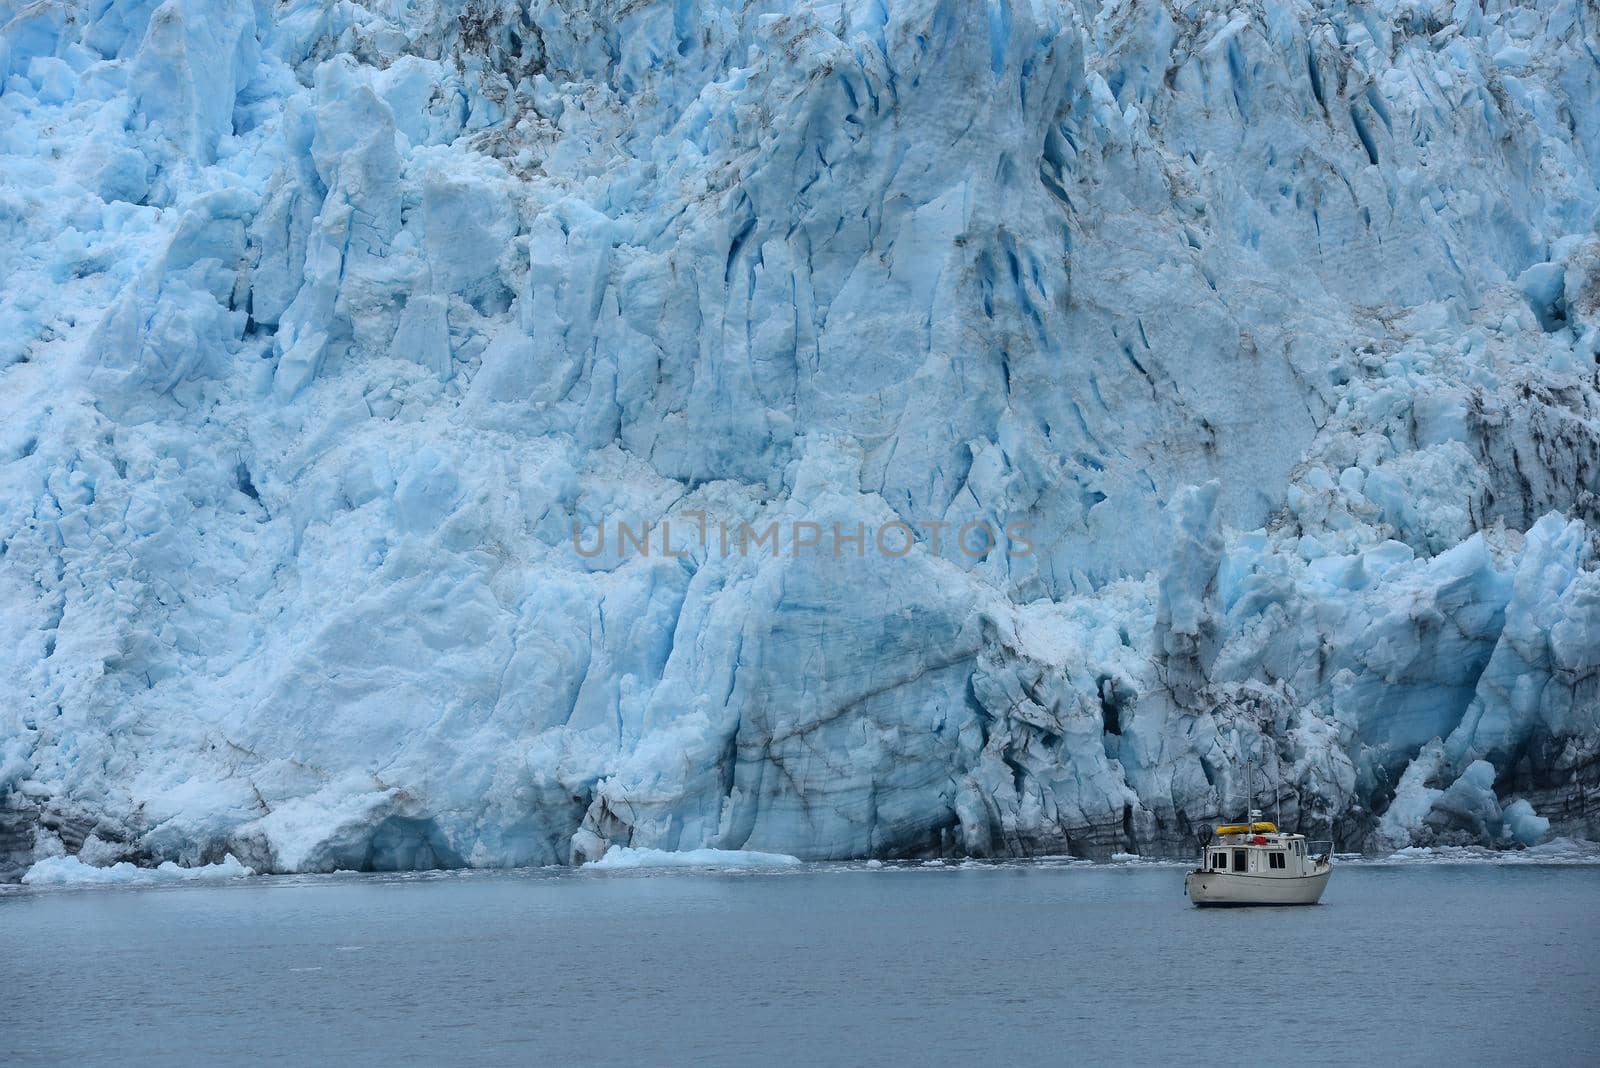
1259,840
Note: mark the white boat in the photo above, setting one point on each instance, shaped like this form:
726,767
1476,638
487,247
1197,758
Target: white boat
1255,864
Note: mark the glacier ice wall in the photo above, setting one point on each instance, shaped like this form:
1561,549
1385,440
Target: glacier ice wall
325,325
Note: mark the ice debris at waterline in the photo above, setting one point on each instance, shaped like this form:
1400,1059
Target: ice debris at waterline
325,326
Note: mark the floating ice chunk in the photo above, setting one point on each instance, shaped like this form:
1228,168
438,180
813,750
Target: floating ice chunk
1564,850
1556,851
622,857
70,871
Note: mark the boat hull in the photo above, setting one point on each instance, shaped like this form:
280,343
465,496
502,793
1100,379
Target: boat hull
1210,889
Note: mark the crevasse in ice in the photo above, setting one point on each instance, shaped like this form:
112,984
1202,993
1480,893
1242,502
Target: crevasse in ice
325,325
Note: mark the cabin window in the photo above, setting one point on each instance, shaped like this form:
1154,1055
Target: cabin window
1241,860
1220,861
1277,859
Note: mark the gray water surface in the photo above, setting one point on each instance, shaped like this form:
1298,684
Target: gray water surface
1478,964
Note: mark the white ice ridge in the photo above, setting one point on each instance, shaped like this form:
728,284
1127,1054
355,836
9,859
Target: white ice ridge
324,325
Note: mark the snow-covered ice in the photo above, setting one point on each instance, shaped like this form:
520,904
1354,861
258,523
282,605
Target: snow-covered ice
326,328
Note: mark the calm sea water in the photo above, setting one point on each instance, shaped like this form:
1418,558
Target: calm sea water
1456,965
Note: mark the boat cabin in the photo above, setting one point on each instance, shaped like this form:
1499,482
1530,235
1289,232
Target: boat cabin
1257,849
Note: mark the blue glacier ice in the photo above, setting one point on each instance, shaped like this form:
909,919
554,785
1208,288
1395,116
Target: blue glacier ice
338,336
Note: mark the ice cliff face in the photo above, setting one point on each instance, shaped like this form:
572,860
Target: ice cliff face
1275,325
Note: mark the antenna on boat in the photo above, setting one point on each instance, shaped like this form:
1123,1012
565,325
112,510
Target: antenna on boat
1249,792
1277,792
